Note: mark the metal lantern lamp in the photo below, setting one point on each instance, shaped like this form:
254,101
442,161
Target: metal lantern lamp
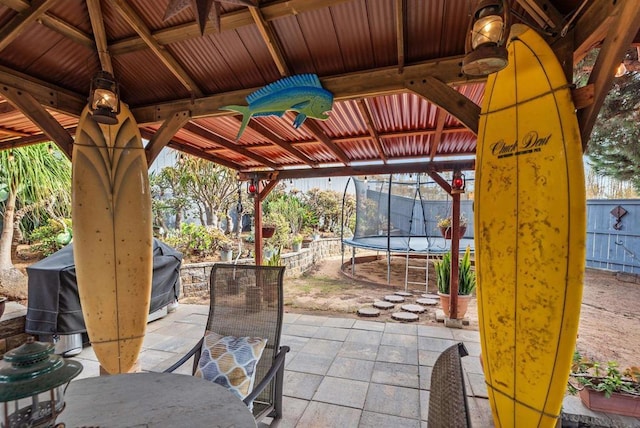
252,187
32,384
104,98
486,39
458,182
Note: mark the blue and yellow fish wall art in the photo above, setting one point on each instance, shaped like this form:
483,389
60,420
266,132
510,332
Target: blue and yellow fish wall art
301,93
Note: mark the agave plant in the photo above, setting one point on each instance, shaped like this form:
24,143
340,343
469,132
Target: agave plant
466,275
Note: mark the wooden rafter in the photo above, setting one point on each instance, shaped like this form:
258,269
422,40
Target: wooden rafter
366,115
447,98
12,132
164,134
591,26
18,23
205,133
317,132
619,38
392,168
97,24
228,21
441,115
132,18
270,39
543,12
267,133
400,10
32,109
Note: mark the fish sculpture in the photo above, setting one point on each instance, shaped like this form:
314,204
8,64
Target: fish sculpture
301,93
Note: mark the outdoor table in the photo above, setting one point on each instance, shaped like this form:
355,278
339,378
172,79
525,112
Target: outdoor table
152,400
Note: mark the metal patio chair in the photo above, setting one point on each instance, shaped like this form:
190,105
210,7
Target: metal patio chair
448,407
247,301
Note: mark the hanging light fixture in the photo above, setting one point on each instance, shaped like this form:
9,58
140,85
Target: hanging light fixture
104,98
621,70
32,370
486,39
11,156
458,182
251,187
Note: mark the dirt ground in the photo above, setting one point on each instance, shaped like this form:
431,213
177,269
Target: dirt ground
609,318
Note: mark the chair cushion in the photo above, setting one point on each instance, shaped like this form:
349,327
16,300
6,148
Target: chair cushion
230,361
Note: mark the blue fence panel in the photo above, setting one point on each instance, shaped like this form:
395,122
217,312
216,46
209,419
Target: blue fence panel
611,243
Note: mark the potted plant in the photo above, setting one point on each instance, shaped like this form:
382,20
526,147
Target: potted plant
444,223
226,250
296,242
604,388
466,282
268,230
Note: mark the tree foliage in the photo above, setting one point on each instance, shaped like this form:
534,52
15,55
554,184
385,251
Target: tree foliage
614,147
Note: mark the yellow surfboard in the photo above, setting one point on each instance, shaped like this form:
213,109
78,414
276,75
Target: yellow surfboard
530,233
112,232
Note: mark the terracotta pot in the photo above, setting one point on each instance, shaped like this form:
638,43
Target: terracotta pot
463,304
268,231
446,231
621,404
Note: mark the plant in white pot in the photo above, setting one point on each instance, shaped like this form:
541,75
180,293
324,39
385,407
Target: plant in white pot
466,282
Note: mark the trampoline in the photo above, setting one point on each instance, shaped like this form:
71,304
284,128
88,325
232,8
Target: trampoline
400,216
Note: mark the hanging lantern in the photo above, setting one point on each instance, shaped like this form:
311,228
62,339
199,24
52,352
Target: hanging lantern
486,39
252,188
32,384
458,182
104,98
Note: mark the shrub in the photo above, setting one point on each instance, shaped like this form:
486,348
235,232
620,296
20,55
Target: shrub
49,238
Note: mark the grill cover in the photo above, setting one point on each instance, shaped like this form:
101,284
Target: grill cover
54,305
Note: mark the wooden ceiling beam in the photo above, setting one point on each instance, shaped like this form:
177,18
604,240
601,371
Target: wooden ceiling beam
32,109
346,171
271,40
27,141
205,133
138,25
619,38
18,23
400,11
164,134
97,24
591,26
228,21
447,98
368,120
441,115
317,132
275,139
349,86
543,12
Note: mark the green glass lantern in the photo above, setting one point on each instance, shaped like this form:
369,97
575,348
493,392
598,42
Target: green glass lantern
32,384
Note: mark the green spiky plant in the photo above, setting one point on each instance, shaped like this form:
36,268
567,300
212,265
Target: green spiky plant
466,275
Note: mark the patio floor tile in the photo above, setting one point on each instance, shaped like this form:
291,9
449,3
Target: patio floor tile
400,328
300,385
393,400
425,377
434,344
311,320
299,330
398,354
466,335
326,348
362,351
323,415
310,363
395,374
332,333
339,322
296,343
351,368
478,385
344,392
368,325
395,339
295,407
428,358
424,405
434,331
364,336
377,420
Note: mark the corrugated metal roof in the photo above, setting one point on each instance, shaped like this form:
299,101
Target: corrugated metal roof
353,45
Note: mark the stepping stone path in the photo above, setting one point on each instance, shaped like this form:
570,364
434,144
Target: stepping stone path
431,296
368,312
404,316
380,304
416,309
394,298
425,301
403,294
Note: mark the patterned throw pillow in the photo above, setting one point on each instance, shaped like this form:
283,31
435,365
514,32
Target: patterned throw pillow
230,361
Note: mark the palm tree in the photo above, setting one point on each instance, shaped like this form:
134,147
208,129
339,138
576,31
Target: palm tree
30,176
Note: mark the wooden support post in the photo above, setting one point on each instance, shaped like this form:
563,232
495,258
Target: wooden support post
455,252
257,209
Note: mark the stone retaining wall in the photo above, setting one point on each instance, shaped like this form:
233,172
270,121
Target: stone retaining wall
12,332
195,277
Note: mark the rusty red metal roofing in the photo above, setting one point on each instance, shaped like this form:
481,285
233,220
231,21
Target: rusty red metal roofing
350,39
